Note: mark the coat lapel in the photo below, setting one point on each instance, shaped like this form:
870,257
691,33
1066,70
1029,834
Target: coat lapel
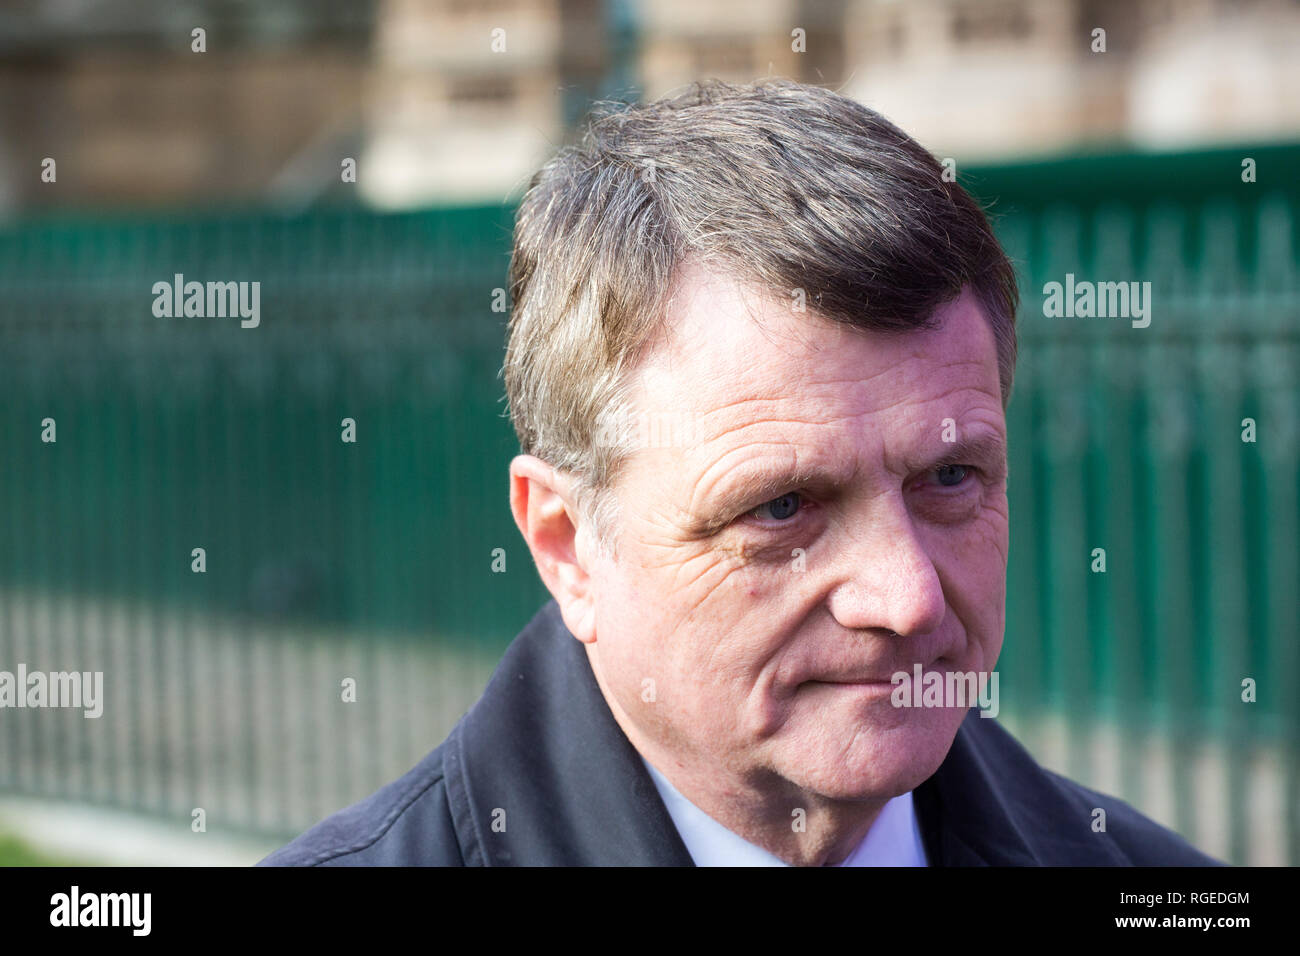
963,820
991,804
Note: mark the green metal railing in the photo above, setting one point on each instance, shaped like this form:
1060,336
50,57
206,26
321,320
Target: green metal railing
374,561
1131,439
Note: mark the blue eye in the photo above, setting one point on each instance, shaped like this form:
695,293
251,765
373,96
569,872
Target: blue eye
951,475
782,507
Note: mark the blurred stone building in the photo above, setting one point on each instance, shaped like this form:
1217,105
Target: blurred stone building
459,100
115,93
994,78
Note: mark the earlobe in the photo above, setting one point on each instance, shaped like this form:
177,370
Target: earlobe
580,618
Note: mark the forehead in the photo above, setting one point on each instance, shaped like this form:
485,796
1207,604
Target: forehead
738,365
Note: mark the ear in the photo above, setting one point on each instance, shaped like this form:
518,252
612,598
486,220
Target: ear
548,518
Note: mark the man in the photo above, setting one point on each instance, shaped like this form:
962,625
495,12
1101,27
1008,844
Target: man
758,365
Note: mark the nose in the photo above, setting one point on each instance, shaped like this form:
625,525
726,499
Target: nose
889,582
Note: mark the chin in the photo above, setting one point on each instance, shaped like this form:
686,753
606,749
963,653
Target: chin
873,759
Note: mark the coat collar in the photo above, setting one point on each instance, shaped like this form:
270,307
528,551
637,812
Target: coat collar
539,773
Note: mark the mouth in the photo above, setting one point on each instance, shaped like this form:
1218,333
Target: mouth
853,682
878,675
863,687
871,683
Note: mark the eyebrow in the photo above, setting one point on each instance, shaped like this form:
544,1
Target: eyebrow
986,450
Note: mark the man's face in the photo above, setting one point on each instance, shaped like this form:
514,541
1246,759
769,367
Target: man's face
770,635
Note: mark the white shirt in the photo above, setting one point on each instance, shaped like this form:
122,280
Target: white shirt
893,840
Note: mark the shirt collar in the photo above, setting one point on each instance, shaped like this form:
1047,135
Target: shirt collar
893,840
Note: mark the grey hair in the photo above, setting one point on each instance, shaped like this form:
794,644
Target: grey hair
785,185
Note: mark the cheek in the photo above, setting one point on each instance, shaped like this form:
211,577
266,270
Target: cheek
973,569
627,632
679,661
683,626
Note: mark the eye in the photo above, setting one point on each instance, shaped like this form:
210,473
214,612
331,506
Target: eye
951,475
781,508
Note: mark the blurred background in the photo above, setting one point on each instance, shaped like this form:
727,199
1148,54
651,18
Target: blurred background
1170,154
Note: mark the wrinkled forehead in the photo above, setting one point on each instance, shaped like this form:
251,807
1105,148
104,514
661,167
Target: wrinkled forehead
736,364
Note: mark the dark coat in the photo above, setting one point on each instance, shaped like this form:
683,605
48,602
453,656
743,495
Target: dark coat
542,745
